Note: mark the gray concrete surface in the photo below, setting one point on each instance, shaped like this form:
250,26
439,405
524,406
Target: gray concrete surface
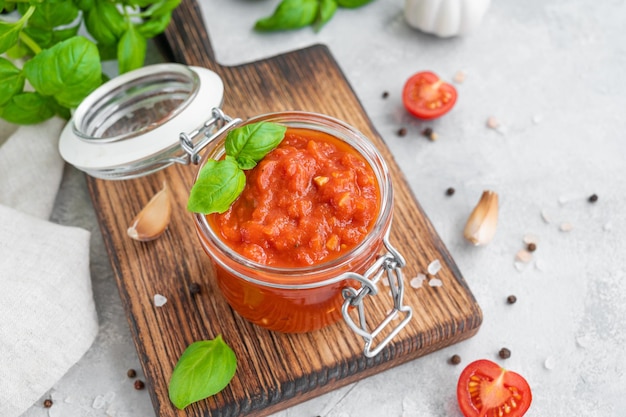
552,72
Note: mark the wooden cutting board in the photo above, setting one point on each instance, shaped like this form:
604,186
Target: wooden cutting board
274,370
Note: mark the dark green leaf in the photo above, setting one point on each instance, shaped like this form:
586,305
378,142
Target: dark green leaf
98,28
85,4
327,11
250,143
352,4
68,71
154,25
290,14
107,52
131,50
50,14
28,108
105,23
60,35
218,186
204,369
11,80
42,37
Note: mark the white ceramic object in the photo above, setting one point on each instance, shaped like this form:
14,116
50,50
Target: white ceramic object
445,18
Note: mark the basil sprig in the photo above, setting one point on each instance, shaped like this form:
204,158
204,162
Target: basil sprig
204,369
61,65
295,14
220,182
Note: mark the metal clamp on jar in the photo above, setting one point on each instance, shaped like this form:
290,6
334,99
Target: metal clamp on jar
131,126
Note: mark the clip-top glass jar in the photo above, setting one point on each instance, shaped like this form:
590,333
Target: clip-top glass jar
286,299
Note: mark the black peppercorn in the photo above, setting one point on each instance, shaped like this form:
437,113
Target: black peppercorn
450,191
531,247
402,131
131,373
504,353
385,94
139,385
593,198
47,403
455,359
511,299
194,288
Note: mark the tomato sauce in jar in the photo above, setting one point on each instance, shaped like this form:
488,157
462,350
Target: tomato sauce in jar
310,200
313,216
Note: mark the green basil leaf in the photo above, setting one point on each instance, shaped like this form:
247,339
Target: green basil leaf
98,29
11,80
218,185
60,35
85,5
105,23
68,71
131,50
50,14
327,11
28,108
250,143
290,14
155,25
163,7
204,369
10,32
42,37
352,4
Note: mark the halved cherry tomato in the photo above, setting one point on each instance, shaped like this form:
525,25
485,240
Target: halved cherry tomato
427,97
487,390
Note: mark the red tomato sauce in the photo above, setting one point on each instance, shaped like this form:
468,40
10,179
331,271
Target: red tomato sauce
310,200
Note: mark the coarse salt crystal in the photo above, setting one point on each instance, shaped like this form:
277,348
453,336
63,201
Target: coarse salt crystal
520,266
435,282
583,341
545,216
549,363
566,227
98,402
417,281
159,300
523,256
539,264
434,267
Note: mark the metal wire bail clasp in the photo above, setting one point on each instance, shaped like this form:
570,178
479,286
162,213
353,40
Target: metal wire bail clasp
194,141
389,265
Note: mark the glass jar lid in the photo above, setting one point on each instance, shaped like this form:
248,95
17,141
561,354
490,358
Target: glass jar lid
130,126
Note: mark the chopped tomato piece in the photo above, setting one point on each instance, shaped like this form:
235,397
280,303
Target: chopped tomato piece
427,97
487,390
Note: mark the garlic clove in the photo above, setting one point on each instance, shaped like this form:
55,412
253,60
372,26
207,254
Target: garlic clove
481,224
153,219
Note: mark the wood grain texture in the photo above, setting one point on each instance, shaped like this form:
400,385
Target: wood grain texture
275,370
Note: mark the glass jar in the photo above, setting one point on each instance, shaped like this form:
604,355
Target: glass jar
281,299
304,299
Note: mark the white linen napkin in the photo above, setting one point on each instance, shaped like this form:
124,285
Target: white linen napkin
47,314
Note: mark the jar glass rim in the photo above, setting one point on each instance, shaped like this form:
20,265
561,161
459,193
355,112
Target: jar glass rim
308,274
